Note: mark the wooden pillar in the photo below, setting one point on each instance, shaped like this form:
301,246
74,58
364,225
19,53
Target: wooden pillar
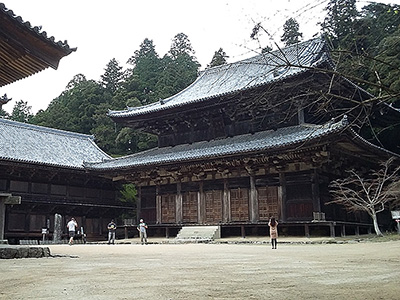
343,233
2,218
126,232
357,230
201,204
178,203
243,231
282,182
167,232
139,204
253,203
315,191
332,229
226,214
158,205
307,230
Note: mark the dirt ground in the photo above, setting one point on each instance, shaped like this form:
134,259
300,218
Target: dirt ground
367,270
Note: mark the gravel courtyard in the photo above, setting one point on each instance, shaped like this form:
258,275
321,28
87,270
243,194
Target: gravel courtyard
366,270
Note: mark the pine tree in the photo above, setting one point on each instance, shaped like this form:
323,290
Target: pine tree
340,19
147,67
113,76
218,59
291,34
22,112
180,67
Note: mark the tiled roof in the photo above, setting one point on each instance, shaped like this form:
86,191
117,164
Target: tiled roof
220,148
36,30
246,74
28,143
26,50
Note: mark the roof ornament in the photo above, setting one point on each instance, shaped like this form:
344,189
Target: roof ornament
4,100
345,120
162,101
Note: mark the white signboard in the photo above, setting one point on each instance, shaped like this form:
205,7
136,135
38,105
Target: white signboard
396,214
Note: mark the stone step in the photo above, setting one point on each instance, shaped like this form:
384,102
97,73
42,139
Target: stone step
199,233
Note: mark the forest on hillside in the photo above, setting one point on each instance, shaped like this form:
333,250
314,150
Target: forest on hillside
365,46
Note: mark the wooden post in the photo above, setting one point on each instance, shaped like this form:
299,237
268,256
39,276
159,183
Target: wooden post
307,230
315,191
2,218
357,230
178,203
226,214
243,231
201,204
332,229
282,182
343,234
254,216
167,232
126,231
139,204
158,205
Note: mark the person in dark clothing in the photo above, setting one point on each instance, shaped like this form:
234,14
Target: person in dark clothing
112,227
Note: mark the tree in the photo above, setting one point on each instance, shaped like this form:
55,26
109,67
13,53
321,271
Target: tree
180,67
146,71
291,34
22,112
340,19
218,59
368,192
113,76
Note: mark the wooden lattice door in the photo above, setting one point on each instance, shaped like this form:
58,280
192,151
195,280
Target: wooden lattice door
268,202
240,204
213,206
189,207
168,208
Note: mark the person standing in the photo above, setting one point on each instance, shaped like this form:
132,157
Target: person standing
273,232
112,227
72,225
142,231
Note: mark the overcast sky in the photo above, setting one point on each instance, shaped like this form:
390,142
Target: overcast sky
102,30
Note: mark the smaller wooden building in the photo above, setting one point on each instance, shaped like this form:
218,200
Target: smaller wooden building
45,167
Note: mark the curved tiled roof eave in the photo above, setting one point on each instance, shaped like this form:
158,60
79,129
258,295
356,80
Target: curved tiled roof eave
308,136
166,103
36,30
43,164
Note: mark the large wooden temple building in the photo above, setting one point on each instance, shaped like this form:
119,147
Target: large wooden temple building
247,141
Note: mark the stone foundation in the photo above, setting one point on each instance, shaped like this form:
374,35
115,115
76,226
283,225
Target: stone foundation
9,252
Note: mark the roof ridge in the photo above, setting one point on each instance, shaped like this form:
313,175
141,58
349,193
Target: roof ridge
46,129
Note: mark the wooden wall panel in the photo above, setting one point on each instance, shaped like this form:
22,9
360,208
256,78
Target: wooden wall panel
168,208
240,204
189,200
268,202
214,206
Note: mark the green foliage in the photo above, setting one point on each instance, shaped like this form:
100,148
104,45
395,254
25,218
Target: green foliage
180,67
218,59
113,76
128,193
146,71
22,112
291,34
340,19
